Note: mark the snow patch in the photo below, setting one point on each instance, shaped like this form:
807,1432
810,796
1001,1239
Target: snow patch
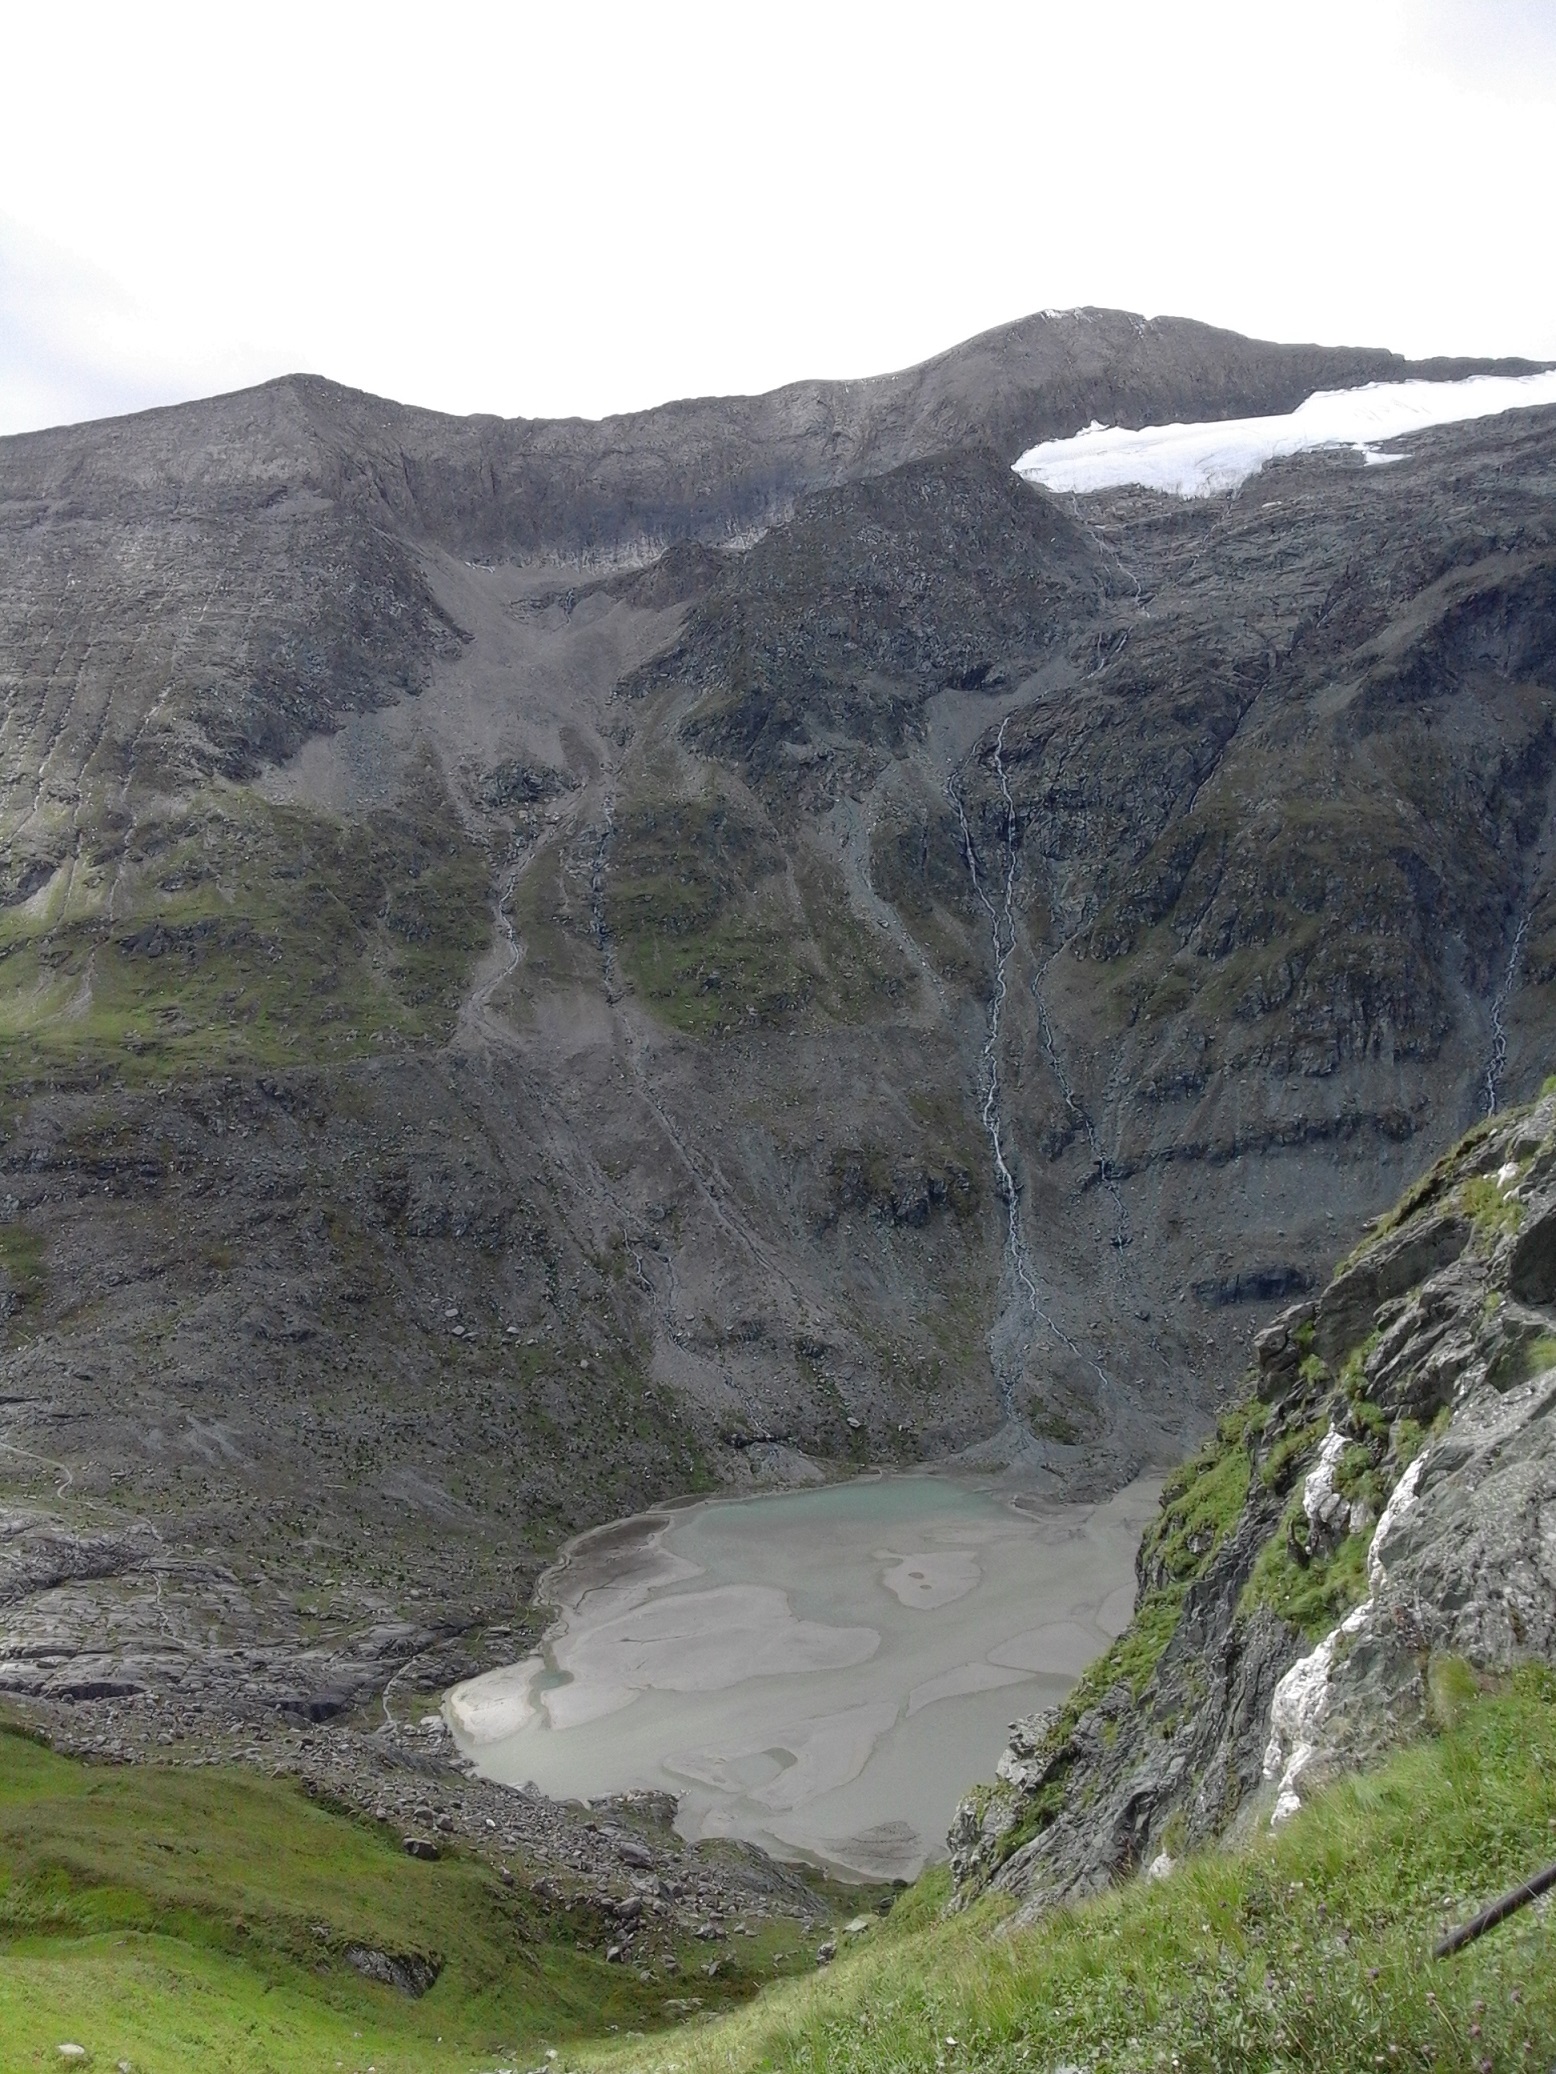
1406,1492
1297,1712
1202,460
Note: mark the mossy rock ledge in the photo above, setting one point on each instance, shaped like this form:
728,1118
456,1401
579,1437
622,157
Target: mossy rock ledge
1359,1542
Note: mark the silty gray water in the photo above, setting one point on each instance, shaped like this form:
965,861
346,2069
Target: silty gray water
821,1672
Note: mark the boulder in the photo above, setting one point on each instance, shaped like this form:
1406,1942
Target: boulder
412,1973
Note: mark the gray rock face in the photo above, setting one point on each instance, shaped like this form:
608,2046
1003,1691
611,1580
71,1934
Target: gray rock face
497,966
1427,1440
1395,1265
706,468
411,1972
1531,1267
1463,1565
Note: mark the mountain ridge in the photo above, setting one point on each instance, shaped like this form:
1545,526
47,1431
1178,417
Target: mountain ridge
900,989
1036,378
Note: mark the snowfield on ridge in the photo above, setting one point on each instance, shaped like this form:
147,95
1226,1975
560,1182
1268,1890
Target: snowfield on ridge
1204,460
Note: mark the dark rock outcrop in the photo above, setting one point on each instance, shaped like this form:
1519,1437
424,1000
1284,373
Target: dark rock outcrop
411,1972
500,924
1378,1509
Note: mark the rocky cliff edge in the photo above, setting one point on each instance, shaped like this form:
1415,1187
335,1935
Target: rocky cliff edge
1369,1535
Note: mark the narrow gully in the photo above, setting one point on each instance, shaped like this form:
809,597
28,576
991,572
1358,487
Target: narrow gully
1496,1064
1002,927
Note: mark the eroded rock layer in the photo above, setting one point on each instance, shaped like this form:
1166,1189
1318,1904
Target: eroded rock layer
542,967
1367,1538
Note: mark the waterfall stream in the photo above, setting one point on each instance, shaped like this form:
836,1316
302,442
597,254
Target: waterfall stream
1002,930
1496,1064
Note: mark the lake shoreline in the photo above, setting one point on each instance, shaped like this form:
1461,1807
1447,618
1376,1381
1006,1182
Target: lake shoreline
809,1670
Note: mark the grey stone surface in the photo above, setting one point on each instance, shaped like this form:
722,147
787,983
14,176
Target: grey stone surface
362,1240
1242,1715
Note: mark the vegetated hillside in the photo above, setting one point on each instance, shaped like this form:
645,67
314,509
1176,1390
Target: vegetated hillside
178,1918
1382,1496
497,1028
1362,1546
268,1932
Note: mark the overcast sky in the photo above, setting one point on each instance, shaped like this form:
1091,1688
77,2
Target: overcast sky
591,207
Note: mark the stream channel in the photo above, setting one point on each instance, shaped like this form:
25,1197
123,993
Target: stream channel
821,1672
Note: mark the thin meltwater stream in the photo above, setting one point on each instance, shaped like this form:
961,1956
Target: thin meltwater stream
820,1672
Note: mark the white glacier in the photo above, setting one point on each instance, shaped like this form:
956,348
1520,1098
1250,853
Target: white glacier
1201,460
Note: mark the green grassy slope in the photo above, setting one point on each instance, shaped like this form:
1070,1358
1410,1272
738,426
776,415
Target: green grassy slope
1308,1949
231,934
178,1921
204,1919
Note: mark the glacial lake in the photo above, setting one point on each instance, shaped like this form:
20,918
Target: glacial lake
822,1672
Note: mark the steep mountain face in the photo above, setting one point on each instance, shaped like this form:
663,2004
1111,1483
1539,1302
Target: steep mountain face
1365,1542
546,965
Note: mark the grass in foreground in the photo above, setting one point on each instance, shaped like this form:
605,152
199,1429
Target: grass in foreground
1309,1949
203,1919
181,1921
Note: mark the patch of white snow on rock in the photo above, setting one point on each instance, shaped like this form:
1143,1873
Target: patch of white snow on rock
1297,1713
1203,460
1301,1699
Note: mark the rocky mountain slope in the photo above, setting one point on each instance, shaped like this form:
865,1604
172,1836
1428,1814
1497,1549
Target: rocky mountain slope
543,966
1365,1542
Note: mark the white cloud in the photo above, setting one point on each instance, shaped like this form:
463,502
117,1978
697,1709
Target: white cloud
75,343
534,209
